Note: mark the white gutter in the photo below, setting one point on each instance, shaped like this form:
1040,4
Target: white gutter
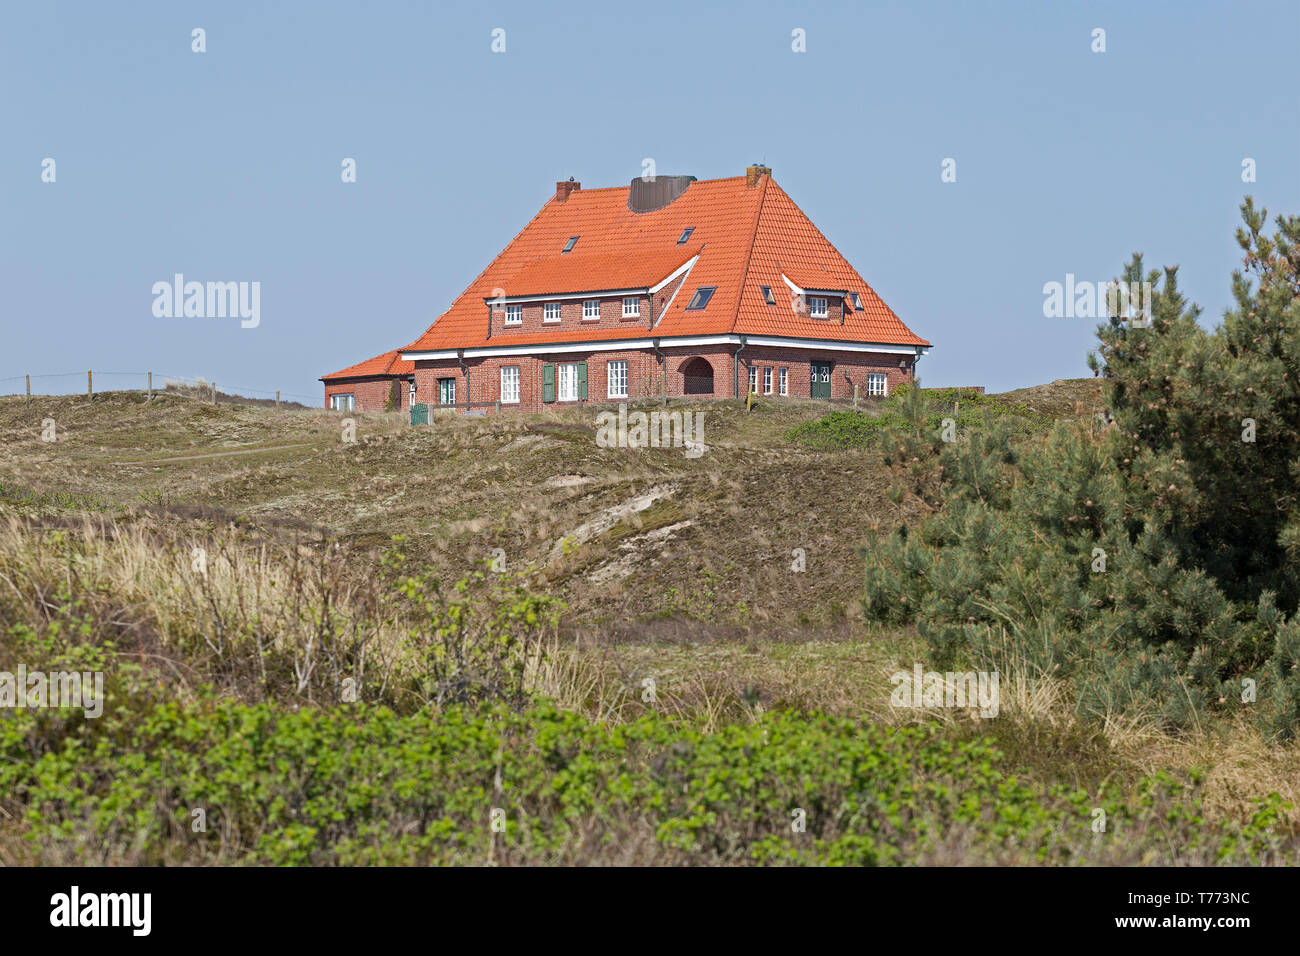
682,341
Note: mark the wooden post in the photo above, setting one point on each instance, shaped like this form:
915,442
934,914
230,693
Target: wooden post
150,395
214,393
277,399
29,388
855,396
89,384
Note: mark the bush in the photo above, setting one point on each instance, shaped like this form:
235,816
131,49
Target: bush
1152,564
361,785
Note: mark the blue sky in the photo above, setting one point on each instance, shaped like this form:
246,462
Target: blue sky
225,165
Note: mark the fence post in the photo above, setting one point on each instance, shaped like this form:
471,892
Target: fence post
855,396
277,399
214,393
150,396
89,384
29,388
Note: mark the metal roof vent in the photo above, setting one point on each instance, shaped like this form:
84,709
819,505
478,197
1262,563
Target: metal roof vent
649,195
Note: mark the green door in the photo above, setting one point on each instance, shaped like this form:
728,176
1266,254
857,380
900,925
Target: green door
820,385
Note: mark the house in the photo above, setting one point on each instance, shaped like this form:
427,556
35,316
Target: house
668,287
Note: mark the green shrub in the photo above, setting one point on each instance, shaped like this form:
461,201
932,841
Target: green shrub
1152,565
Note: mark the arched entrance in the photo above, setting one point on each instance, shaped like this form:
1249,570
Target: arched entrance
698,377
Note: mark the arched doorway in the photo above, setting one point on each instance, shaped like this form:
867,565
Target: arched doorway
698,377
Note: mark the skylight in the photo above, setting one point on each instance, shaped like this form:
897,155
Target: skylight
569,245
857,300
686,234
701,298
768,297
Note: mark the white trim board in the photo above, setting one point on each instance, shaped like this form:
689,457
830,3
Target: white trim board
682,341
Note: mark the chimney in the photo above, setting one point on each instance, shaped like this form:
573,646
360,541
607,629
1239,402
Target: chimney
563,190
753,172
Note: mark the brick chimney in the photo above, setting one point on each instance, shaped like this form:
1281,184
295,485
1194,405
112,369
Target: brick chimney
752,174
562,190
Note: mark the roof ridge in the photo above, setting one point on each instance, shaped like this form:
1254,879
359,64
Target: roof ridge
749,256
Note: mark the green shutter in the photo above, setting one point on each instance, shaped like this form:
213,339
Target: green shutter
548,383
582,380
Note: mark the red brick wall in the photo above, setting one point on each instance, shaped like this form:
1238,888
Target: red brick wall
369,394
647,378
847,369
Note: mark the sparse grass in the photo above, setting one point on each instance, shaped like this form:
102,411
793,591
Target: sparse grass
696,593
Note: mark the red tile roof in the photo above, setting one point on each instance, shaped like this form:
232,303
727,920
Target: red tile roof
390,363
602,272
746,237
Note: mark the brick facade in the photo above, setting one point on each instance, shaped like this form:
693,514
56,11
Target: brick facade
648,378
370,394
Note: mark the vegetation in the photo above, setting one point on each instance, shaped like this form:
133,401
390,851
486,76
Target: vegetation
1151,563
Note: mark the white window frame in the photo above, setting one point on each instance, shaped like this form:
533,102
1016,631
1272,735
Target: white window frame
616,372
513,382
338,404
753,378
877,383
517,311
767,381
442,394
631,307
785,381
590,314
546,312
566,372
817,307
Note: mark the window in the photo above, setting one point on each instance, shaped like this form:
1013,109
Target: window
857,300
768,297
447,391
701,298
875,383
568,246
412,402
753,378
591,309
616,376
510,384
785,381
341,402
631,307
551,312
767,381
686,234
817,306
514,314
568,382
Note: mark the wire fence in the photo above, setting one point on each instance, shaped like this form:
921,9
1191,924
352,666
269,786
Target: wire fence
96,382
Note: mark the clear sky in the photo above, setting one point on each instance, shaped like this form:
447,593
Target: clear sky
225,165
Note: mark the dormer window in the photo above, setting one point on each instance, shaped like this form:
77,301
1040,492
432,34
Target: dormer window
701,298
568,246
768,297
686,234
551,312
514,315
631,307
817,306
